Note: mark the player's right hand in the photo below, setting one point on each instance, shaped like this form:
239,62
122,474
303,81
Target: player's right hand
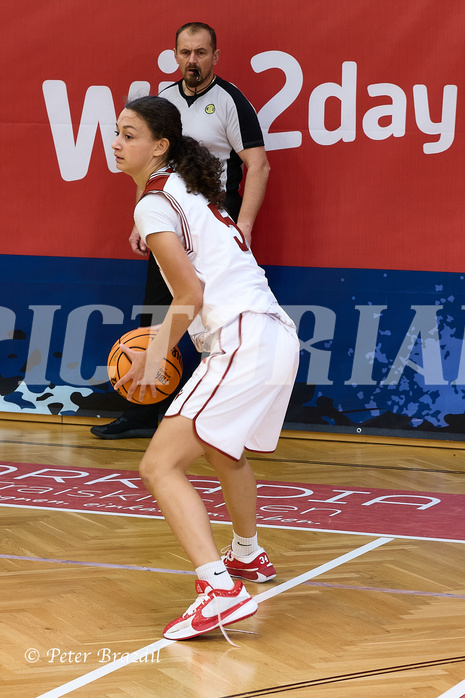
138,246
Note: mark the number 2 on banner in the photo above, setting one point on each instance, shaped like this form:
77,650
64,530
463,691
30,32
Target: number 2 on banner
282,100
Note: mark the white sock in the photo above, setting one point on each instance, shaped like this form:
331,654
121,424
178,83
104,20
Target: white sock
243,547
216,574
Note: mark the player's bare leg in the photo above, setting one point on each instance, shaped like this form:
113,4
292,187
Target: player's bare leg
163,468
239,489
245,558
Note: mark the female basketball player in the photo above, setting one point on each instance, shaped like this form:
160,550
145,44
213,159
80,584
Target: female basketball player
237,397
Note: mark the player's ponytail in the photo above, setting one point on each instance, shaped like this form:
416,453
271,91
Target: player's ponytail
200,170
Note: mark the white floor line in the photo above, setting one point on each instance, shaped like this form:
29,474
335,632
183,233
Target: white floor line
73,685
455,692
321,569
155,647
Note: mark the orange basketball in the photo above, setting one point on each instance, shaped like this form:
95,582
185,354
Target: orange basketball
118,364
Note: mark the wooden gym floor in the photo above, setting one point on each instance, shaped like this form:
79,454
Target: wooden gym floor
350,615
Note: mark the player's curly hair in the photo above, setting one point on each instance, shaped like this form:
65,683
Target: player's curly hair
200,170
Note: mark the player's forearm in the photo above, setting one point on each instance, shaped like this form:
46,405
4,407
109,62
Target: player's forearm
176,322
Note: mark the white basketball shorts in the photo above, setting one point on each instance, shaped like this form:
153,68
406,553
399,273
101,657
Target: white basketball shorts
238,396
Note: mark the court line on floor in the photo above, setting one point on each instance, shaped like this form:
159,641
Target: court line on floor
164,570
343,678
269,593
455,692
387,590
155,647
104,565
313,529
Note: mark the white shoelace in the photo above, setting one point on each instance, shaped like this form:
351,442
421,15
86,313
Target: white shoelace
201,598
231,630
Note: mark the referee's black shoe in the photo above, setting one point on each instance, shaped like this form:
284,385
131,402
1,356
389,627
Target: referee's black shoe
123,428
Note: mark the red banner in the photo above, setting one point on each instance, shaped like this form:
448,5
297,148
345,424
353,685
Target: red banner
361,106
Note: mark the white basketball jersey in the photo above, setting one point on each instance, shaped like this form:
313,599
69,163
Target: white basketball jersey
232,281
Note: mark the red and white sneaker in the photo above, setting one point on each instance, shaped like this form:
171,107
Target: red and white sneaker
255,567
213,608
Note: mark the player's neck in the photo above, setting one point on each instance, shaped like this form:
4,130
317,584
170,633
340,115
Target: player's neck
197,89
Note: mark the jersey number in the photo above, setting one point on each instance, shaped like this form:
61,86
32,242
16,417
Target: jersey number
224,218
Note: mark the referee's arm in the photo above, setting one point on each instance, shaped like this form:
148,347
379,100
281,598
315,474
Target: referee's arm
255,182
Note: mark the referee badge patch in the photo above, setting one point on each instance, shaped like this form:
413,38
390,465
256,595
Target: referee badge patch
210,109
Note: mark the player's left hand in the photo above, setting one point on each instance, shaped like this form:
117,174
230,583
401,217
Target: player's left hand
137,374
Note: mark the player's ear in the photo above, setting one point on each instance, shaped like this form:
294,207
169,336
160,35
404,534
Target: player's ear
216,56
161,147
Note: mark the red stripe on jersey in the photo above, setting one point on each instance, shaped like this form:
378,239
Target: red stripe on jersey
156,185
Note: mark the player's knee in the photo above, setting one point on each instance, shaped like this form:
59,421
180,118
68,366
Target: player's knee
155,468
150,471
